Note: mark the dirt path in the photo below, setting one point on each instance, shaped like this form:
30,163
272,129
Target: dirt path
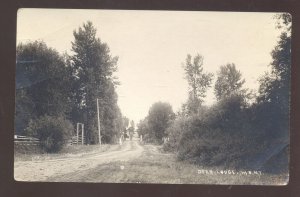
44,170
132,163
155,166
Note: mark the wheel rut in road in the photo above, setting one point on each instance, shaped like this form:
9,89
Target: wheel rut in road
43,170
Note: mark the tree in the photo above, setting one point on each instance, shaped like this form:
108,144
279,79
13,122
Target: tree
274,91
131,129
275,86
125,122
198,81
93,68
42,83
159,118
132,124
229,82
143,128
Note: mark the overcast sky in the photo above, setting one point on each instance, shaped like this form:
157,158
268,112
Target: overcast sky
152,45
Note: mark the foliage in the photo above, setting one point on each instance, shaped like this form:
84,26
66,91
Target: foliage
143,128
274,91
154,126
92,71
160,117
49,84
275,86
233,133
42,81
53,132
229,82
198,82
175,132
125,122
224,136
132,124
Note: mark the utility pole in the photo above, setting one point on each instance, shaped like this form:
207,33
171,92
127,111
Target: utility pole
98,121
77,133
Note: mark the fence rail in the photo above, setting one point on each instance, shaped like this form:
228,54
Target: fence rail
25,140
77,141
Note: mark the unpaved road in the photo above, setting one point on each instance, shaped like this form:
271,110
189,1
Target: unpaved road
47,169
130,163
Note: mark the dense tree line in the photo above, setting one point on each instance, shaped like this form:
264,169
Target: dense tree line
53,88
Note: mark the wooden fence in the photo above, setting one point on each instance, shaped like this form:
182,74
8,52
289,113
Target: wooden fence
77,141
25,140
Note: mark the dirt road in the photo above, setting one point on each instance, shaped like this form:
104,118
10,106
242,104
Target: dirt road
131,163
44,170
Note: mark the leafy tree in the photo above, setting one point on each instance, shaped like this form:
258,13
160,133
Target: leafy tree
159,118
53,132
275,86
24,111
143,128
110,114
131,129
175,132
125,122
229,82
42,83
198,81
225,133
274,90
93,69
132,124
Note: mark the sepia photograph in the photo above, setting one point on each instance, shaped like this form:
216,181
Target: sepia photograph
152,97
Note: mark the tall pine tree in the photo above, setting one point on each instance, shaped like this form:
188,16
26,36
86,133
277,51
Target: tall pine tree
93,68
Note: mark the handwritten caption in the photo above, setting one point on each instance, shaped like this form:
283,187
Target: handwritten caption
229,172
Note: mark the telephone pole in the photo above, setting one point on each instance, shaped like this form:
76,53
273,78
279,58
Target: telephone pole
98,122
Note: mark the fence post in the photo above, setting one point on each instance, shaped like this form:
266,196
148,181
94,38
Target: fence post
82,133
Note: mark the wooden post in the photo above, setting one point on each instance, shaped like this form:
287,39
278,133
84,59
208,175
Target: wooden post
99,132
82,133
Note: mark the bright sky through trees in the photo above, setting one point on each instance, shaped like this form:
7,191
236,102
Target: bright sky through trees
152,45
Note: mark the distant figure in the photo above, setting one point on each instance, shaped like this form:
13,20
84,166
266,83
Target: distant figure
165,139
130,135
121,139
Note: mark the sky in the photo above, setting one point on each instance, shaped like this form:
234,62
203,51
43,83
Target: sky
153,45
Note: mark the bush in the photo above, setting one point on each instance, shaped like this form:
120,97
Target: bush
53,132
221,135
175,132
226,135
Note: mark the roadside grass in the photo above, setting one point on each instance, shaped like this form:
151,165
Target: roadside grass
156,167
27,153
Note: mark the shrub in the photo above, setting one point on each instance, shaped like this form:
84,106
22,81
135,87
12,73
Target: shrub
175,131
230,134
53,132
221,135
